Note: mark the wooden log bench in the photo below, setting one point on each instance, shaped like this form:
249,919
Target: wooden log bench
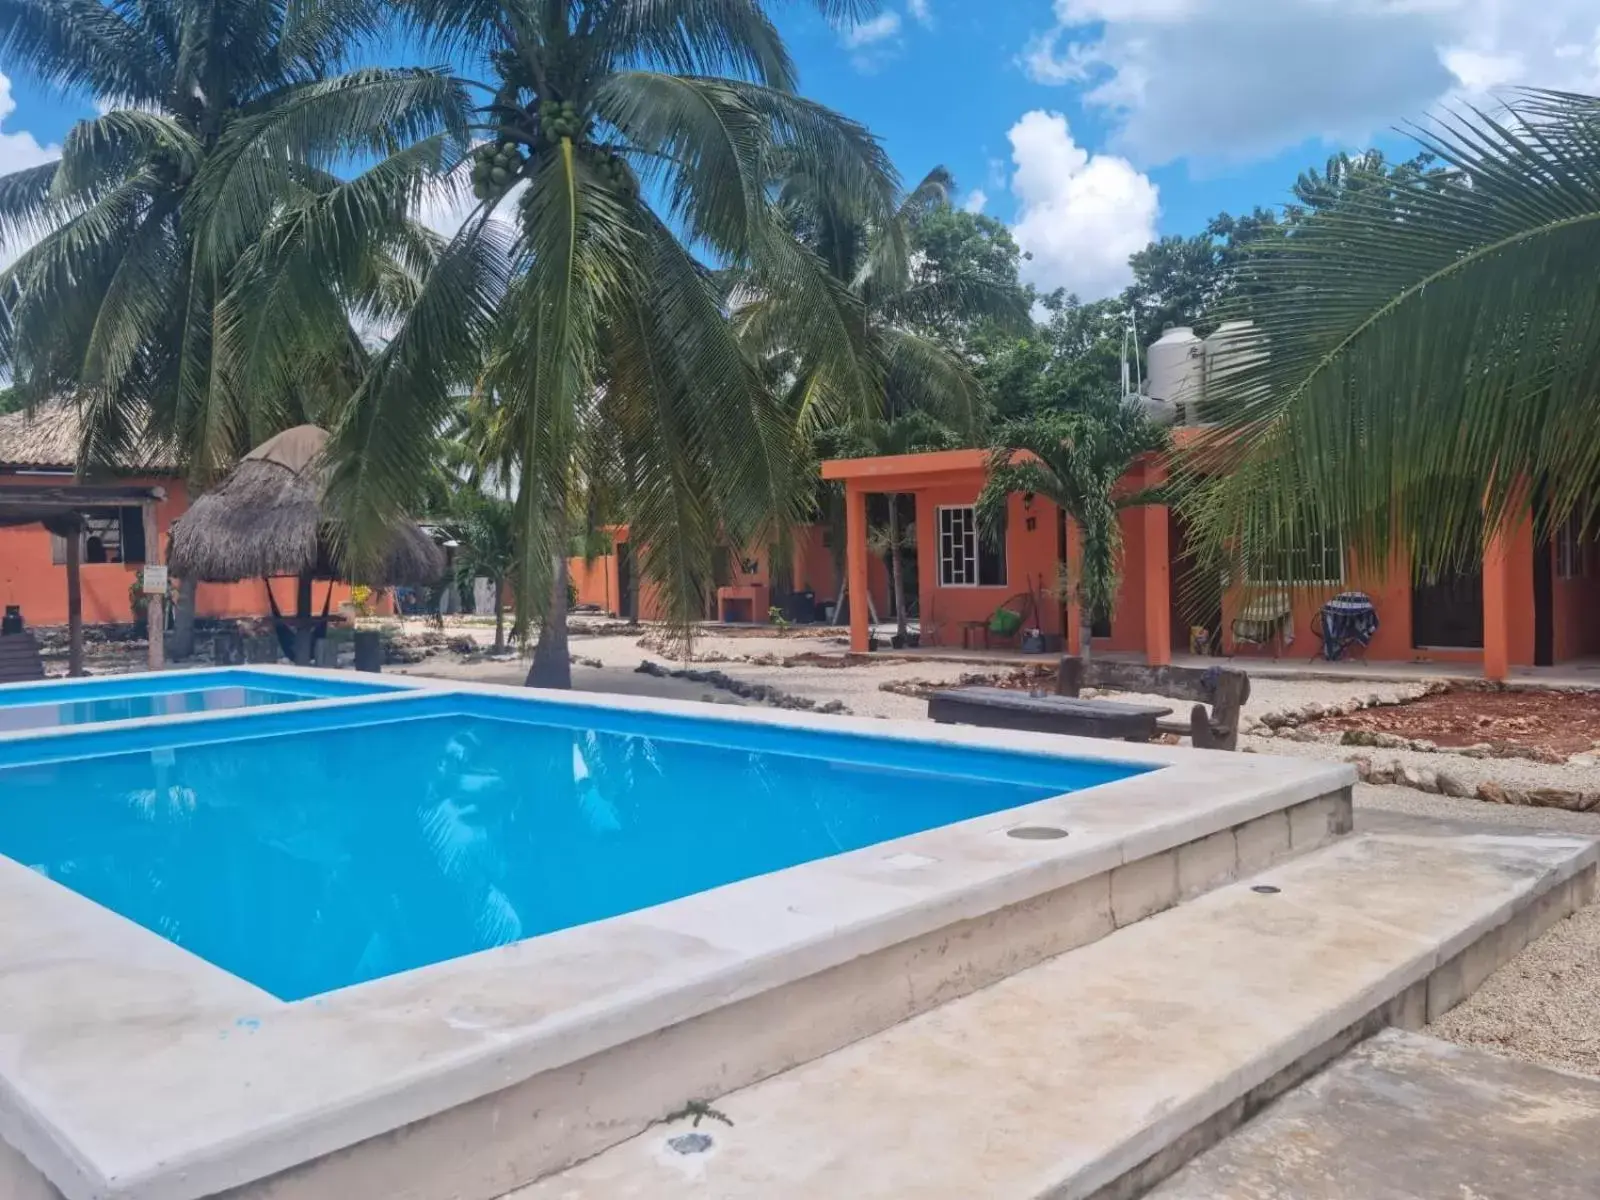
1223,688
1000,708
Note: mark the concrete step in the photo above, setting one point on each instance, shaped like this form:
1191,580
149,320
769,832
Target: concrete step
1101,1071
1404,1117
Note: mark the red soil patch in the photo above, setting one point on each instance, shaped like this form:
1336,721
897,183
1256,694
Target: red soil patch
1563,722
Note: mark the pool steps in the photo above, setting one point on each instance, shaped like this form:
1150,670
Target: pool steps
1097,1073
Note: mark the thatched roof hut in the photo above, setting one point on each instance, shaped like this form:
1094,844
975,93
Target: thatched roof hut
267,518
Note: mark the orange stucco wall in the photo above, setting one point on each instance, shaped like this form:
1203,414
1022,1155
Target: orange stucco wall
597,583
1031,564
28,578
1145,618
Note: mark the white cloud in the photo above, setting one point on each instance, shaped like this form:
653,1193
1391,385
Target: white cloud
872,43
869,33
1235,79
18,151
977,200
1079,215
920,11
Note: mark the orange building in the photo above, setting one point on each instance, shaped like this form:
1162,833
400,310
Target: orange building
1530,605
33,573
748,584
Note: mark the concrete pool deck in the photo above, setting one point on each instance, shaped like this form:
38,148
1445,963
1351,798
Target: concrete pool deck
1406,1116
130,1069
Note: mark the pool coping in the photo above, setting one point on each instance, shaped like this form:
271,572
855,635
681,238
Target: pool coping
382,688
136,1108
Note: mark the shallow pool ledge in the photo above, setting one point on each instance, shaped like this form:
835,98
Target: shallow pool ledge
132,1070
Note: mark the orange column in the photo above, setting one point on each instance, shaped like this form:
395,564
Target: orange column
855,549
1157,576
1497,605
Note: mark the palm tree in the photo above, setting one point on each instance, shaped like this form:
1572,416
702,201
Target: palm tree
1075,459
196,261
482,524
631,143
1426,354
890,383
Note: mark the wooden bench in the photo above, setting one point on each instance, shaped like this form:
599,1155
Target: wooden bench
1223,688
1000,708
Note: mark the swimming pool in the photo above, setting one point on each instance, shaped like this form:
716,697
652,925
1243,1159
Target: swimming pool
304,926
36,706
318,850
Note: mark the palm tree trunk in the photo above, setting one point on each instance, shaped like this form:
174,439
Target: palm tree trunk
552,662
1085,631
897,567
183,619
499,616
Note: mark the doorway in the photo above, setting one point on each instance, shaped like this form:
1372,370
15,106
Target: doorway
1447,610
627,597
1544,599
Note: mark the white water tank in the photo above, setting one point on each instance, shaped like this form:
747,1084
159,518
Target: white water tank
1236,347
1177,368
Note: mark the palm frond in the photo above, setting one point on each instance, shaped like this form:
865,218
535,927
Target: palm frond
1418,345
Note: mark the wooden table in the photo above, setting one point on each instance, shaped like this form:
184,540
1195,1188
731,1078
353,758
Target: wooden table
999,708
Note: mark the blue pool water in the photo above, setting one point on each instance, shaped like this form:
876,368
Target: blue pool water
95,701
313,857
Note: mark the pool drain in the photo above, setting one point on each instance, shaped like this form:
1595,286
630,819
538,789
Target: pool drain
1265,889
1036,833
690,1143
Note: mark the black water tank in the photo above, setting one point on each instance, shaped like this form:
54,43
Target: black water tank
369,650
12,622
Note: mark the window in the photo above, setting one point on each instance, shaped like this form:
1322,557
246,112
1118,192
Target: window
1317,557
110,535
966,559
1572,554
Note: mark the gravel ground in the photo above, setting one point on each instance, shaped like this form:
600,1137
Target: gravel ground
1419,804
1508,772
1544,1005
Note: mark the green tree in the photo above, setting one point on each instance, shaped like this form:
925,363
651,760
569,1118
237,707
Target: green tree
1427,354
917,283
1062,363
484,525
1075,459
1185,280
633,143
194,259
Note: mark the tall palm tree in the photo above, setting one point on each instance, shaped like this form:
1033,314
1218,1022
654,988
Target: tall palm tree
195,261
1425,356
631,144
1075,459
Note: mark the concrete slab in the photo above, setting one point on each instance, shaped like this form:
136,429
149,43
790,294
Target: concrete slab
1406,1117
1088,1071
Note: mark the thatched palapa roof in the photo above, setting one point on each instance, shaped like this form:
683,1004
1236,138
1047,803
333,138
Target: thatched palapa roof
267,517
49,438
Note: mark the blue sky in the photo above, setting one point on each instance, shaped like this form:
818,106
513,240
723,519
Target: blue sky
1091,126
